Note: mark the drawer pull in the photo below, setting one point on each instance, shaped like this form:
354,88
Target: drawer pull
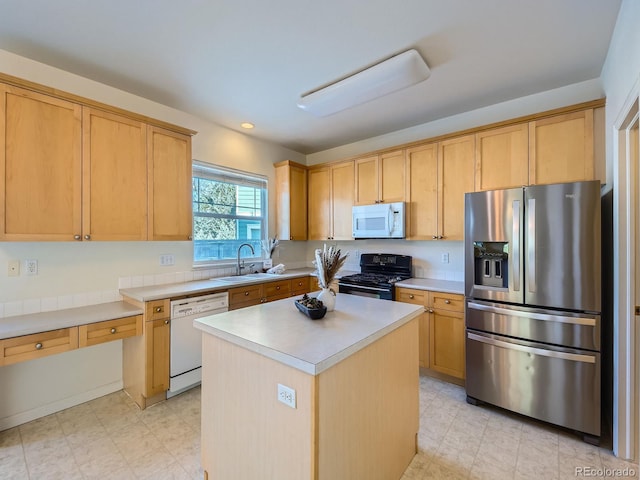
113,330
159,309
431,310
246,294
411,296
278,287
447,302
38,346
166,322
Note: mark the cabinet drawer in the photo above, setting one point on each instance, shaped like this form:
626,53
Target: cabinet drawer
101,332
28,347
407,295
277,289
299,285
447,301
245,295
157,309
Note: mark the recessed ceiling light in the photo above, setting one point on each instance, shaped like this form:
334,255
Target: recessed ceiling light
247,125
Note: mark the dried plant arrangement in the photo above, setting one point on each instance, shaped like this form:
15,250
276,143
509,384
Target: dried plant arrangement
269,245
328,261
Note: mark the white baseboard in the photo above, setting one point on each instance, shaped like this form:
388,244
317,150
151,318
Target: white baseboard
48,409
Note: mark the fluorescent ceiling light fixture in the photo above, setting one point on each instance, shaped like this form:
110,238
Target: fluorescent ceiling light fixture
396,73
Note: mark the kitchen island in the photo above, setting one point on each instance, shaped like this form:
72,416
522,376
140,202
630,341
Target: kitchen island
355,380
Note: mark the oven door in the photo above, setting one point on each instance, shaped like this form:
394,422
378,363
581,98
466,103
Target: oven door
366,291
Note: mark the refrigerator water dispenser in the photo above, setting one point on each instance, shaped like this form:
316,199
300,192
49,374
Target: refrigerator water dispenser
491,264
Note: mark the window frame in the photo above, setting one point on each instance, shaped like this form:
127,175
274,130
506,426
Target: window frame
209,171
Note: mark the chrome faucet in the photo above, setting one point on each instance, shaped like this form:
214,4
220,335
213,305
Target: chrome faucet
238,267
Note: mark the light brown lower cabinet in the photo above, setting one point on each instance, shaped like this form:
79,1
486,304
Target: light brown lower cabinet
145,369
441,331
42,344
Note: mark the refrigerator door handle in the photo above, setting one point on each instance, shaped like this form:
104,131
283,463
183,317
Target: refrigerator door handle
590,322
516,261
532,350
531,244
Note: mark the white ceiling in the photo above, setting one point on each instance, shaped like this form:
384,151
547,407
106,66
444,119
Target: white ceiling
250,60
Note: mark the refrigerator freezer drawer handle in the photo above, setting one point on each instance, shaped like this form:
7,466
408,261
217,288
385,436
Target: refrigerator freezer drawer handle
516,260
532,350
591,322
531,244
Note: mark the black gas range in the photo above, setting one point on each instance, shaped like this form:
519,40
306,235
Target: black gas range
378,274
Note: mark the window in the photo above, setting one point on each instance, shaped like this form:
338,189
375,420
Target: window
229,209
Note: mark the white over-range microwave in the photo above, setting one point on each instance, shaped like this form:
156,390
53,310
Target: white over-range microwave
380,220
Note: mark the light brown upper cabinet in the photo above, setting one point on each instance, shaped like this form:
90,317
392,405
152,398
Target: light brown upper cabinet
422,192
561,148
380,178
438,176
169,174
331,196
502,158
40,166
291,200
114,205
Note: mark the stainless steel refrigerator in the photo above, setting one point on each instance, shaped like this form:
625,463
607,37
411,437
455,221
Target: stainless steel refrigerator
533,302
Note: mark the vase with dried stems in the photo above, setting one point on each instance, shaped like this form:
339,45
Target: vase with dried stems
328,261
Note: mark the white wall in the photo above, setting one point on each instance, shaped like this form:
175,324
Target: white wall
620,77
77,273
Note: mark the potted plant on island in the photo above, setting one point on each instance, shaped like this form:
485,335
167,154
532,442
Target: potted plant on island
328,262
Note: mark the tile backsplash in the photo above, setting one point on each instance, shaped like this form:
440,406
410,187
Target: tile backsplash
61,302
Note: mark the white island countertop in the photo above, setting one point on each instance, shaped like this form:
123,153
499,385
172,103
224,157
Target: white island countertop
279,331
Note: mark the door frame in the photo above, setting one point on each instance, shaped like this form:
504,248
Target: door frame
626,341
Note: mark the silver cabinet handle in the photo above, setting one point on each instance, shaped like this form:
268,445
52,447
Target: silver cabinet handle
38,346
113,330
434,237
159,309
591,322
532,350
87,237
431,310
278,287
77,237
246,294
411,296
531,245
166,322
447,302
440,237
190,237
515,239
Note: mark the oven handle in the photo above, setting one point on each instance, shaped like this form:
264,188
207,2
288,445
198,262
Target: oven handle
361,286
532,350
591,322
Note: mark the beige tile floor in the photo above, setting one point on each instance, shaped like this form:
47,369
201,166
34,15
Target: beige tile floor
110,438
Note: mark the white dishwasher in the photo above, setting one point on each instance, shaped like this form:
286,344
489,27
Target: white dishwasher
185,369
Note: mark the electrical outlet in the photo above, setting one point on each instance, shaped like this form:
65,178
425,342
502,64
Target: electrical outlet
287,396
13,269
31,267
445,258
167,259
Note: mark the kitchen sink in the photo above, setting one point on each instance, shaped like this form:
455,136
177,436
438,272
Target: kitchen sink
235,279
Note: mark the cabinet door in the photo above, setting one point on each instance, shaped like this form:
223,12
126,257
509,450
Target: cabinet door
40,166
418,297
342,198
114,169
392,177
561,148
502,158
366,171
455,177
422,192
446,338
319,204
291,201
169,177
157,371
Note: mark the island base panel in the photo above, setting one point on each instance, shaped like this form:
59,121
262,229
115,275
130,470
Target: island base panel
358,419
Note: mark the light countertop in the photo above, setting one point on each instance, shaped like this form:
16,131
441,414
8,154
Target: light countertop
279,331
158,292
443,286
71,317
